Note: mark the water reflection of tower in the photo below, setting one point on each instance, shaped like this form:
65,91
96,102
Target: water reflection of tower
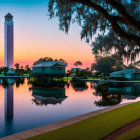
9,103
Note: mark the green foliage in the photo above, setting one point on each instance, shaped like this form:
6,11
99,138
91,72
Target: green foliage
1,70
69,72
4,70
67,78
19,71
28,71
83,73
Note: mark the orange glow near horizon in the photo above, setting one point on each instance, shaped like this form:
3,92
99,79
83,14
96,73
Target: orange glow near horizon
28,52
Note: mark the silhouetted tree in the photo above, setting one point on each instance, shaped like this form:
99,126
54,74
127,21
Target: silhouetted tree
5,69
78,63
107,64
107,99
19,81
17,65
46,59
117,23
131,66
27,66
1,70
28,69
79,85
69,72
63,61
83,73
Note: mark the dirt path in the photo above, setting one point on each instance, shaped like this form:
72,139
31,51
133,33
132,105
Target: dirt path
122,130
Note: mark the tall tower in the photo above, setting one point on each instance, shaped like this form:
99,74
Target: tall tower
9,40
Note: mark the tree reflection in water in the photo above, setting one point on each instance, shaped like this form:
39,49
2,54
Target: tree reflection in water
112,94
19,81
107,99
6,82
79,85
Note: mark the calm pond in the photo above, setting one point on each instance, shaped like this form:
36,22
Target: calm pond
23,106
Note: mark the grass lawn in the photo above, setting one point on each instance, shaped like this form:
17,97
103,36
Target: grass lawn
96,127
26,74
95,78
130,135
65,78
90,78
1,74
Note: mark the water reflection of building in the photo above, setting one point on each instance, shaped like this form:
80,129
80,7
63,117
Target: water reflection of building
44,96
9,102
129,92
114,95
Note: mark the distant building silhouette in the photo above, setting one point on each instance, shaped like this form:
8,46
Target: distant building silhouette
9,41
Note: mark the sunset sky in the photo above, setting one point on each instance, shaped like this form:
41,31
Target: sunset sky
36,36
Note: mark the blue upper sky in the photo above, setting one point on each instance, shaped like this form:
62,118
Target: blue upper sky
23,2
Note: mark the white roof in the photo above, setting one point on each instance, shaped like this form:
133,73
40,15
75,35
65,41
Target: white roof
49,64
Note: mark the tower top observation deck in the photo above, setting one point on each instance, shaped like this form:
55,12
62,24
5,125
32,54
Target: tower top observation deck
8,17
